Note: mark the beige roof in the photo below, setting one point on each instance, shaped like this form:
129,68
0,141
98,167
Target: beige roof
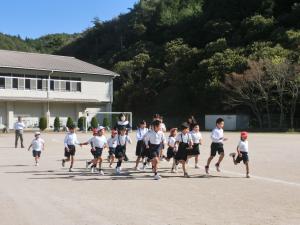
56,63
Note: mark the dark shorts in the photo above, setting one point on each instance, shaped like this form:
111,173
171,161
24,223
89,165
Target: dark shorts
216,147
120,151
145,153
170,153
36,153
195,150
182,152
71,151
140,146
98,152
93,153
112,151
154,151
244,157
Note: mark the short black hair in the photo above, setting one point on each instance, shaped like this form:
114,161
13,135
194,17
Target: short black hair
184,126
219,120
142,122
156,123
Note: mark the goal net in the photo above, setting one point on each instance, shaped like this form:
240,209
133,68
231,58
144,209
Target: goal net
109,119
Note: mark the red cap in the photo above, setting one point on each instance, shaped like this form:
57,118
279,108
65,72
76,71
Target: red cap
244,134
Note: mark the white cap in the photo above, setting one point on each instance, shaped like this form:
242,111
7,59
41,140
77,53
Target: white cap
37,133
100,128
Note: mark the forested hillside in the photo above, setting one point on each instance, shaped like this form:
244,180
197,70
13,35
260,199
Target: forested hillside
179,57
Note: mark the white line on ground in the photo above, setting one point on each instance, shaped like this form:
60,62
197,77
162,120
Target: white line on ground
263,178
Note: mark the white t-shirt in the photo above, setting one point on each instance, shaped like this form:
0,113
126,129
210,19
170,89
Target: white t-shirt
155,138
71,139
243,146
163,127
19,125
98,141
196,137
37,144
113,142
172,142
217,135
123,139
185,138
140,133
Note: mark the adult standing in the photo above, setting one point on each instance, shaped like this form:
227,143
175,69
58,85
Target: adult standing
19,128
191,122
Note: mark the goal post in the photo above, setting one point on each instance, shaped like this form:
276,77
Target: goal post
108,119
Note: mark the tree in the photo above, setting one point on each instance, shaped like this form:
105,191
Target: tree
105,122
43,123
70,122
81,123
56,124
94,122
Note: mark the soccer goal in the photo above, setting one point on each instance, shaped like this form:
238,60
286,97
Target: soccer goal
109,119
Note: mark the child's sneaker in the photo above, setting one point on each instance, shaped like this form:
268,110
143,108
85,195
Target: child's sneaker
101,172
118,171
157,177
93,169
232,154
110,166
70,170
197,167
206,169
217,167
63,163
248,175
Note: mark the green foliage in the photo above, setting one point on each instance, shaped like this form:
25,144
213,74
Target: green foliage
179,50
43,123
70,122
56,124
94,122
105,122
81,123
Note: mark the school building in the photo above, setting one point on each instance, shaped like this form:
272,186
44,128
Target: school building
33,85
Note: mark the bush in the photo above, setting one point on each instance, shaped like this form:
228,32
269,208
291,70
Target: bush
43,123
81,123
69,122
94,122
56,124
105,122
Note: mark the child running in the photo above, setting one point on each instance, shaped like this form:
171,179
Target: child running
122,140
99,143
90,162
242,152
70,150
185,143
217,137
197,141
154,140
112,144
140,146
38,145
172,149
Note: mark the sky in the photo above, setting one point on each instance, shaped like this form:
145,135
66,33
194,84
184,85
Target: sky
35,18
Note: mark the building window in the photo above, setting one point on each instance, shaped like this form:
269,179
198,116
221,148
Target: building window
79,86
68,86
27,84
39,84
15,83
2,82
52,85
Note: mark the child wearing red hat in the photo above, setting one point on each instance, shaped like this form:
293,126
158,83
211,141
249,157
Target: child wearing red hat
242,152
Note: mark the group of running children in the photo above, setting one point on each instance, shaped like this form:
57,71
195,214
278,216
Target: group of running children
182,146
